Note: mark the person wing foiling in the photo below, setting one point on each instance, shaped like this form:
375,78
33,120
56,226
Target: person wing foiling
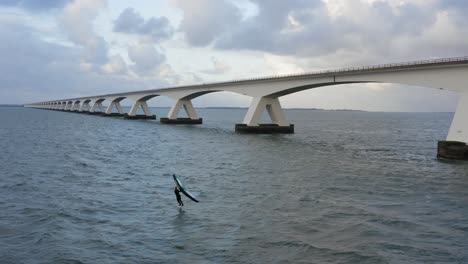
177,194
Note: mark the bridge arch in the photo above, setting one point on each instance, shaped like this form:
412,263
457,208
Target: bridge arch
200,93
97,104
114,102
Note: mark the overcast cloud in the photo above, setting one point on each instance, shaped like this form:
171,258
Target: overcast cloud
204,20
35,5
379,29
131,22
98,47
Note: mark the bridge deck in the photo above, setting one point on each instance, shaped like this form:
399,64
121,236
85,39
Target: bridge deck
324,73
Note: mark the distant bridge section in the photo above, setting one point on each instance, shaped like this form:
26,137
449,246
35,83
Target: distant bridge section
450,74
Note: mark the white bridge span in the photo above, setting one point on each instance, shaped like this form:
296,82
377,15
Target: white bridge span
450,74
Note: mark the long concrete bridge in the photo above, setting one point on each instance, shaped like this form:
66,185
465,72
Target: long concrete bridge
448,74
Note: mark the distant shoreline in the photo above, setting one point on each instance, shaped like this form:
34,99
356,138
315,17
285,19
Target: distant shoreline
245,108
315,109
319,109
11,105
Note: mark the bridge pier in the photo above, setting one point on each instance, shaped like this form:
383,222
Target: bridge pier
114,102
172,118
144,105
251,123
75,106
68,106
85,105
459,128
97,104
455,147
111,107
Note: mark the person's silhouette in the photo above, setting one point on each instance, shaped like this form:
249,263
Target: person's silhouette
177,194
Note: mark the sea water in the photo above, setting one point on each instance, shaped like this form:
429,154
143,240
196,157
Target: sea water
347,187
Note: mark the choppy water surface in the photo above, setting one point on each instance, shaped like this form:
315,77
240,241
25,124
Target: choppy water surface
348,187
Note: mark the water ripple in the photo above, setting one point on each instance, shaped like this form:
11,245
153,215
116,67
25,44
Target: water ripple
87,189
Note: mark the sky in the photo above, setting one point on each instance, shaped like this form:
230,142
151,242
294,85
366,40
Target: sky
53,49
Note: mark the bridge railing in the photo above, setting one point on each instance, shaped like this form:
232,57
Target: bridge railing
386,66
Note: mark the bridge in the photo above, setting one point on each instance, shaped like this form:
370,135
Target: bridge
446,74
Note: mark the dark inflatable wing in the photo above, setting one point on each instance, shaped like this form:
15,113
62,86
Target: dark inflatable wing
183,189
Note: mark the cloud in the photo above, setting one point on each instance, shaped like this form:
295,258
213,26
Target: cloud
115,65
380,31
131,22
301,28
218,67
36,70
35,5
27,66
77,20
458,5
146,58
147,61
204,20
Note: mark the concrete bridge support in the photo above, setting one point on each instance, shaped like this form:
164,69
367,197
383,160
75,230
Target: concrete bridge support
75,106
140,102
97,105
251,123
68,106
114,102
455,147
172,118
459,129
84,106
